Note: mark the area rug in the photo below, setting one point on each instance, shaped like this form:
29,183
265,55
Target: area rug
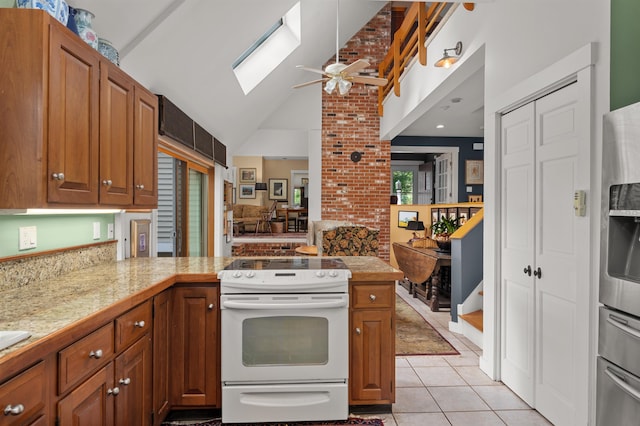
349,421
415,336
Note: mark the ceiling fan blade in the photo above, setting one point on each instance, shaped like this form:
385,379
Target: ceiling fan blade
309,83
302,67
357,66
376,81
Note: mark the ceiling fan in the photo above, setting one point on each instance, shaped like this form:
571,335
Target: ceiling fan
341,75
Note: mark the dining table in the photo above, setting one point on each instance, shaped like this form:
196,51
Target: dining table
288,210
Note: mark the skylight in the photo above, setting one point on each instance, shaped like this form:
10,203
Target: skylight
266,53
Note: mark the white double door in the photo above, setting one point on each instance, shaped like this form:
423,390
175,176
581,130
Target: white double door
545,255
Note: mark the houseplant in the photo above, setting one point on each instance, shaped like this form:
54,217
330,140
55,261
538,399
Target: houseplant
442,230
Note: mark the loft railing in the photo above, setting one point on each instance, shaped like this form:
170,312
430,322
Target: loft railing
409,41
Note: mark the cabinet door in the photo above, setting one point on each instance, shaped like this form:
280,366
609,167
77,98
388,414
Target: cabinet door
161,344
72,150
194,337
116,136
372,360
91,403
24,397
145,154
133,378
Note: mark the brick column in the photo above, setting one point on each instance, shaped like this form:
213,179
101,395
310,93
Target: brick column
358,192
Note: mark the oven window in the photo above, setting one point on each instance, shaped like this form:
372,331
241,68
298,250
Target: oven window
285,340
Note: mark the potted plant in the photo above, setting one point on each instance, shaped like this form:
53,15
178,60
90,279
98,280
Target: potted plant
442,230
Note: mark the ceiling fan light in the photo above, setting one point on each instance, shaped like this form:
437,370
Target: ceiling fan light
344,86
330,86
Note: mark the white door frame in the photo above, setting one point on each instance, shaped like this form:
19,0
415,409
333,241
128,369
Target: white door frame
575,66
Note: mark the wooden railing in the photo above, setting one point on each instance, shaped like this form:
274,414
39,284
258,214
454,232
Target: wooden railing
409,41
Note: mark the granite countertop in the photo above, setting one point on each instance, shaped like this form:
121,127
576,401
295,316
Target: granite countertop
47,307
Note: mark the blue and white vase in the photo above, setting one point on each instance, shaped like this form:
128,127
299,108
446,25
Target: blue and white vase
84,18
56,8
108,51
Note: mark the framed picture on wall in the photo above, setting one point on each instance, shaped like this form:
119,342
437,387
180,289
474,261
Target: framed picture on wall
474,172
247,191
278,189
406,216
248,175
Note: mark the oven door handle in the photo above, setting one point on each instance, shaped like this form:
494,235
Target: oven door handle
234,304
621,383
623,325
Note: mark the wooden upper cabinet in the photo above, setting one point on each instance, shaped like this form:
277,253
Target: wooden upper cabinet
145,171
116,136
77,131
73,120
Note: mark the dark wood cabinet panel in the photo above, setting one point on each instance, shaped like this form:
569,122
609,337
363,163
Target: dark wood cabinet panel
145,172
91,403
372,344
27,390
194,339
116,136
161,345
72,151
133,376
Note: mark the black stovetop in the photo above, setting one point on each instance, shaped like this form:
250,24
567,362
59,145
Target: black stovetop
302,263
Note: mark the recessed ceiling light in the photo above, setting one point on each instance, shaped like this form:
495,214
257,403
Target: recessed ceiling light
440,126
456,100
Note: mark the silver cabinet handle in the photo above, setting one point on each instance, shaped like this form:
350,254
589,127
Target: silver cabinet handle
140,186
11,410
113,391
372,297
107,182
58,176
139,324
211,306
96,354
358,331
125,382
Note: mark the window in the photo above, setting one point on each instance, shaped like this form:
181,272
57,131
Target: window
266,53
402,182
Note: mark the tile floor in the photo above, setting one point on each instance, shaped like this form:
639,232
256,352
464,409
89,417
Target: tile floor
451,389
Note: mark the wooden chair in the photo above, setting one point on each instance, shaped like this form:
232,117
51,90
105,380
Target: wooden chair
266,218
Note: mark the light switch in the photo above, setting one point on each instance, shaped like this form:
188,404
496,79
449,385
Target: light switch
96,230
28,238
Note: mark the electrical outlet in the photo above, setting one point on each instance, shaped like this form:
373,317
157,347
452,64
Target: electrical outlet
96,230
28,238
110,231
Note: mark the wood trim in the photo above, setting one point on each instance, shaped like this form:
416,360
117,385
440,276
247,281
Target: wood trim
183,153
55,251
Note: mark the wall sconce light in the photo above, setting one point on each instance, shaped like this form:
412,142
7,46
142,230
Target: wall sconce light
446,61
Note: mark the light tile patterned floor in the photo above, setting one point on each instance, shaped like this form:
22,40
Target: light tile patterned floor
451,389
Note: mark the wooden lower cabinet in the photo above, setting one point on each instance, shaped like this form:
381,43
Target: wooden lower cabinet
372,344
118,394
195,355
24,397
91,403
161,339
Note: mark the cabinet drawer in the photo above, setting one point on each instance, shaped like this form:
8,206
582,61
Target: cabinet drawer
133,324
25,394
84,357
372,296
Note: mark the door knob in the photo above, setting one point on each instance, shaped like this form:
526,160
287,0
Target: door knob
13,410
139,324
96,354
538,272
527,270
358,331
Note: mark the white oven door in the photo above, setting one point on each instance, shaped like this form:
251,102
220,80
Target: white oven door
284,338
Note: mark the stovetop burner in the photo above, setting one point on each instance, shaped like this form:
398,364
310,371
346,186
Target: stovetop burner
300,263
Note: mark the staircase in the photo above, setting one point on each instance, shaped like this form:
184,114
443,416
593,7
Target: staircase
470,317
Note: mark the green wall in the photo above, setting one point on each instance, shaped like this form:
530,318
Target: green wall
625,53
53,231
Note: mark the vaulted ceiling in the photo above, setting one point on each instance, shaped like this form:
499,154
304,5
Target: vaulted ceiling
184,49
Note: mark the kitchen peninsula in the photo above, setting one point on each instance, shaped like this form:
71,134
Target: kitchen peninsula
127,341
